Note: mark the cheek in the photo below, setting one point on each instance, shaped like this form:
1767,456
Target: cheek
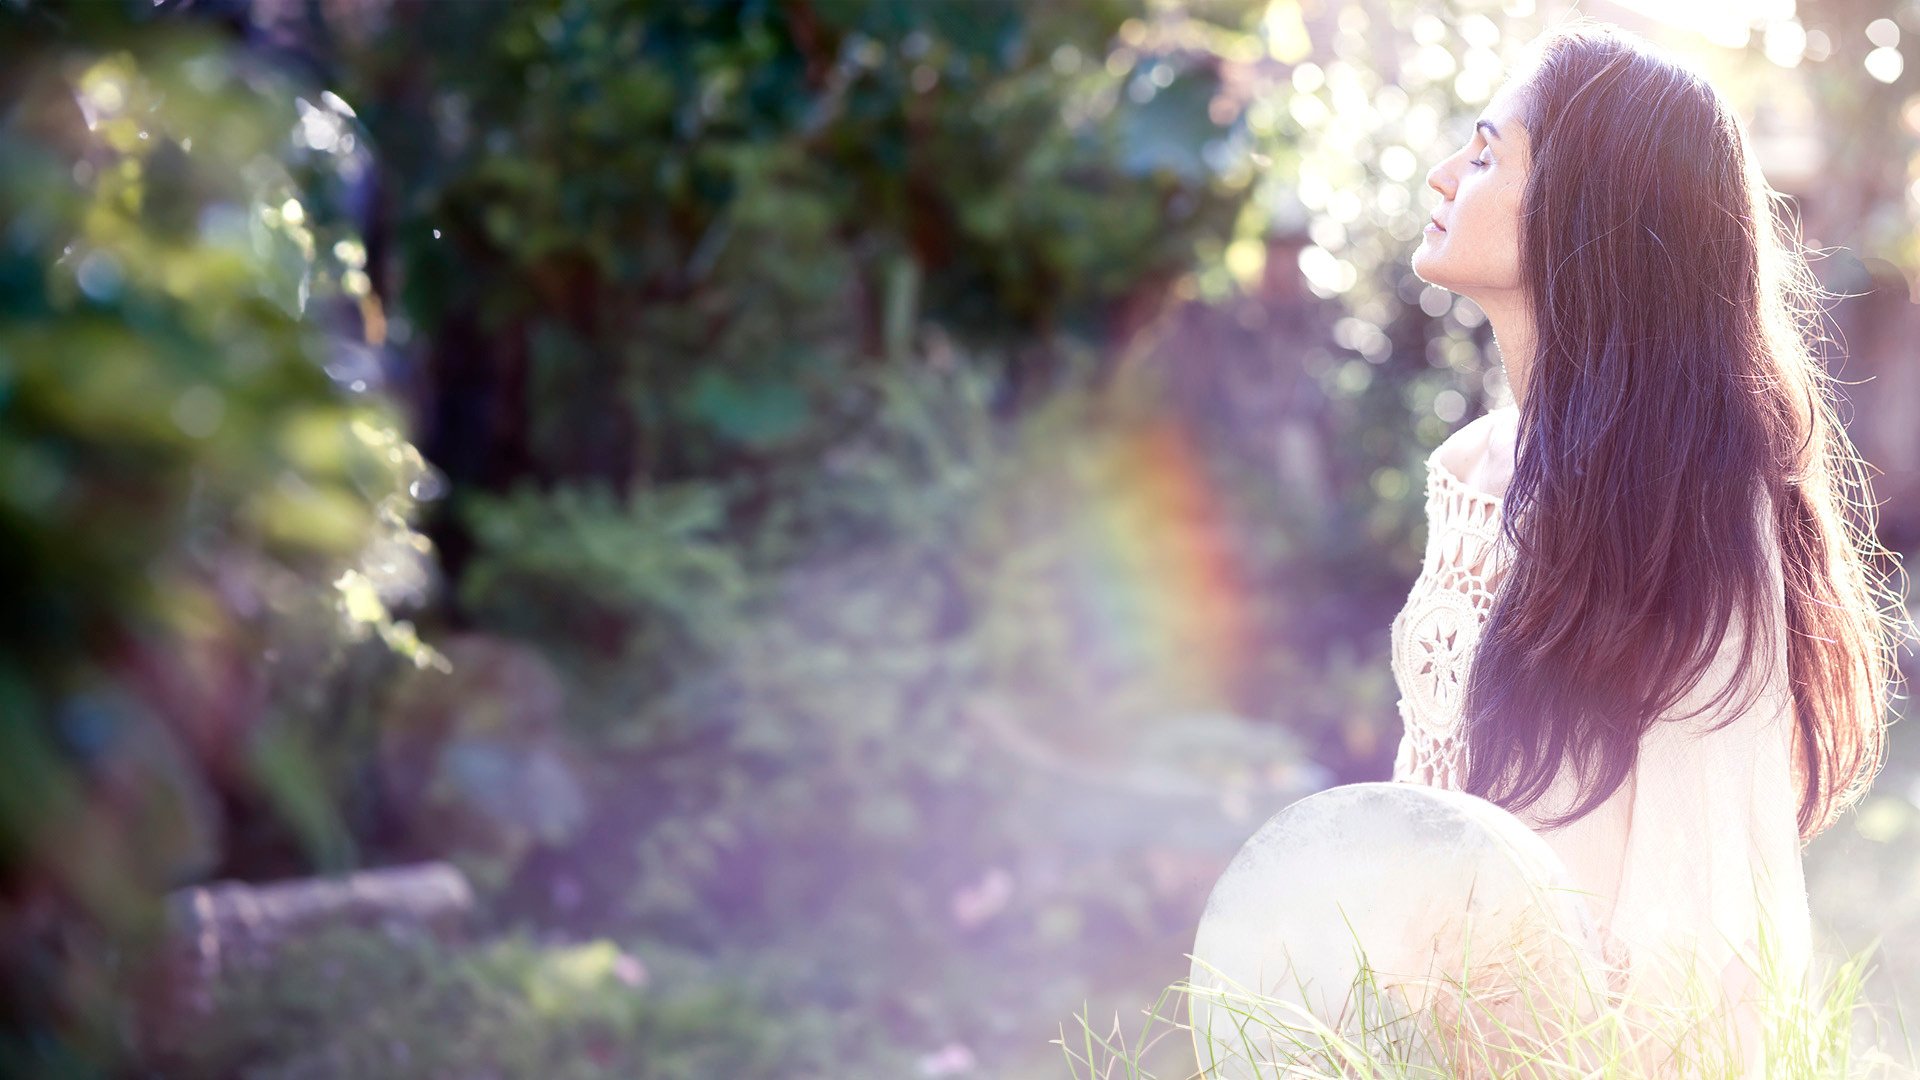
1507,211
1481,250
1493,212
1510,238
1494,225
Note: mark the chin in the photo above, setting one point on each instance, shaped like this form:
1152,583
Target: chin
1426,267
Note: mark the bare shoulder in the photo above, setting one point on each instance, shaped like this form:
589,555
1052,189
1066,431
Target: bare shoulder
1481,452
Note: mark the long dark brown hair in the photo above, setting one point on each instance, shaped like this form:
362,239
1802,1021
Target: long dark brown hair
1678,432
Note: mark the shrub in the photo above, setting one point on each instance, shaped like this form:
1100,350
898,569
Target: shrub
352,1002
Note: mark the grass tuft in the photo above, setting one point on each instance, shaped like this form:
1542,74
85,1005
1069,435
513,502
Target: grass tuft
1496,1022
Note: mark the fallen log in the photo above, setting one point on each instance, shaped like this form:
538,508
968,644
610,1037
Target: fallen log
216,928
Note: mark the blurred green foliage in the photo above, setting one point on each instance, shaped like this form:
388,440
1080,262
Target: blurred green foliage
197,525
367,1003
555,565
654,241
727,309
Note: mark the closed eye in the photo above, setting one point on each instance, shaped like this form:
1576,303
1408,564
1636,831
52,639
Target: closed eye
1480,163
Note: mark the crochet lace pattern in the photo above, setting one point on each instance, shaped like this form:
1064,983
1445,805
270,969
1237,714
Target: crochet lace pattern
1436,631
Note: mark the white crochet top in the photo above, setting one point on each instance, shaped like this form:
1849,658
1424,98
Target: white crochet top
1701,836
1435,633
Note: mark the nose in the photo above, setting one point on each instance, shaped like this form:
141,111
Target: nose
1440,179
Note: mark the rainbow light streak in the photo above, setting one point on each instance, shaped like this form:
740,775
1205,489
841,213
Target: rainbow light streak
1157,582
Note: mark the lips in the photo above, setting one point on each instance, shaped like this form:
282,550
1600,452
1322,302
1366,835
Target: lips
1437,225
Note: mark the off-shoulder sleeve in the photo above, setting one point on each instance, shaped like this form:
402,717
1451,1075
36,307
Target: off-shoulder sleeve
1712,851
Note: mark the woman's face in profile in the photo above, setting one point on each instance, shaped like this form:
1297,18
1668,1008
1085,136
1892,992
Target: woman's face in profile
1474,249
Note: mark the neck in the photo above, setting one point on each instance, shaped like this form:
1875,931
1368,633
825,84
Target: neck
1512,322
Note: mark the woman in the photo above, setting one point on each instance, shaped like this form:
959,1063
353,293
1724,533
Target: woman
1650,623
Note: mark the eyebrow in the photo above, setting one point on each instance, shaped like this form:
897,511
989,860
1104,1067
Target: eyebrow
1487,126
